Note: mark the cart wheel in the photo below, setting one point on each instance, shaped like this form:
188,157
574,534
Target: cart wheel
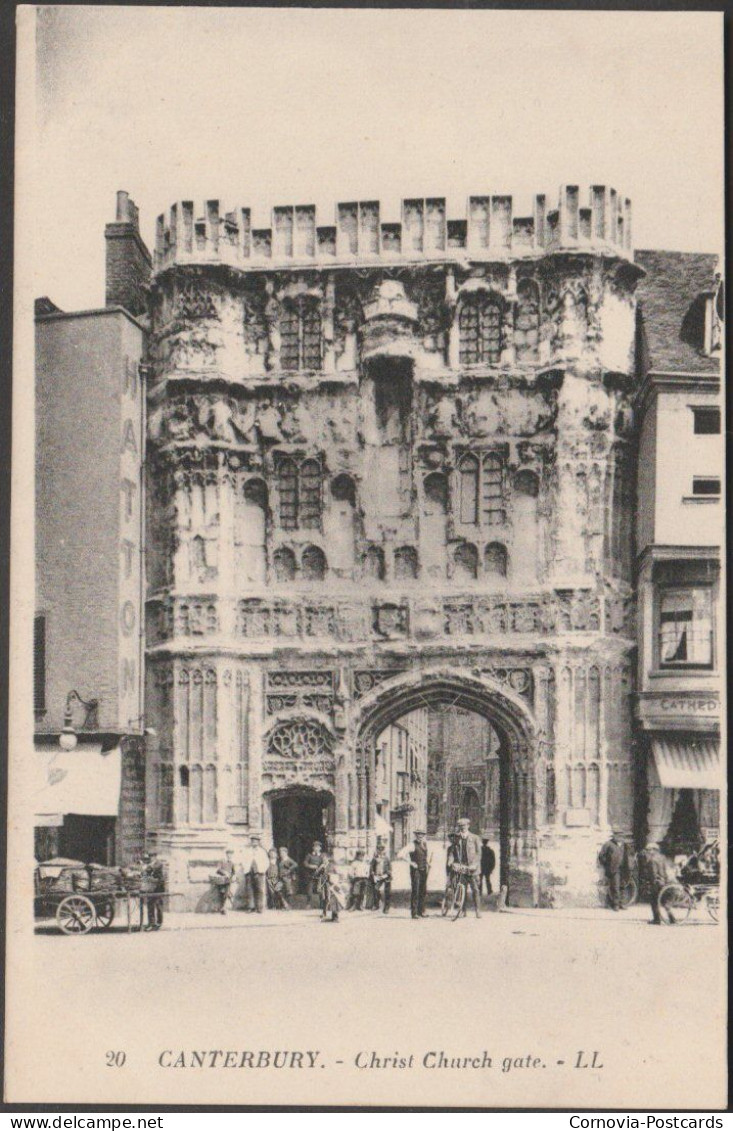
105,914
629,893
675,902
459,898
712,902
75,915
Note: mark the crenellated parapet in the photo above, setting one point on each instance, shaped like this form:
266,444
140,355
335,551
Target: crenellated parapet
597,221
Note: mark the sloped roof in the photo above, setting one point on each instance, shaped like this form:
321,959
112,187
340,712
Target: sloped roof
672,309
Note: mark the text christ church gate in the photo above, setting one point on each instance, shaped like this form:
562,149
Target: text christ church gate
520,781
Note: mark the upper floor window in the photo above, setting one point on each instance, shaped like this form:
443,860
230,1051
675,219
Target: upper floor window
686,628
707,420
481,489
480,330
706,485
299,488
300,333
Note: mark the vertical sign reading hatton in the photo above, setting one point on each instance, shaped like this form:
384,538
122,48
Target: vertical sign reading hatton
130,557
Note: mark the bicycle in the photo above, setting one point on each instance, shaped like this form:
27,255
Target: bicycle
678,898
454,899
629,894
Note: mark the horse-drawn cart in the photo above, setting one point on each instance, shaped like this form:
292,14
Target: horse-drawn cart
82,897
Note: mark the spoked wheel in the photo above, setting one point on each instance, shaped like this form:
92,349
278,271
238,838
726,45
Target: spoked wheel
75,915
629,894
105,914
712,903
459,898
676,903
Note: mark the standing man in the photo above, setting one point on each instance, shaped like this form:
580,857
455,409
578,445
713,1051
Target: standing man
153,885
488,863
469,857
224,879
611,859
288,871
380,875
653,876
313,864
419,867
359,876
258,865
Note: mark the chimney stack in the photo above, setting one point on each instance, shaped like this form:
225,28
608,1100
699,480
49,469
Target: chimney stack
128,260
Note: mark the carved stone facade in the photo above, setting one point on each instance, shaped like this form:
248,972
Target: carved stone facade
390,466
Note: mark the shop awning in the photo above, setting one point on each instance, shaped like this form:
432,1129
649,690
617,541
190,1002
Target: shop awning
84,781
689,763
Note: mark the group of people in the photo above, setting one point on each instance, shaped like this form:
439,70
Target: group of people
617,859
261,878
264,878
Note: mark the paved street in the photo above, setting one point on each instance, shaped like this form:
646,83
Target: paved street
534,984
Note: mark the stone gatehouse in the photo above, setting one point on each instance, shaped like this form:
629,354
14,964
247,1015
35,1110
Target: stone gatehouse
390,466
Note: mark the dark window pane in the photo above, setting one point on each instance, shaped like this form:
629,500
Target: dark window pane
707,421
39,664
289,338
706,486
310,495
288,490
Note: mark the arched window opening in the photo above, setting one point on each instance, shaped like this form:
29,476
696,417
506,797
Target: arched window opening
480,330
468,471
527,483
313,564
300,494
283,561
373,563
183,776
287,482
310,495
255,493
405,563
435,487
495,559
492,491
472,809
343,489
527,320
465,562
300,334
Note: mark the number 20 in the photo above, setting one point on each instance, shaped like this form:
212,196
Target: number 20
116,1059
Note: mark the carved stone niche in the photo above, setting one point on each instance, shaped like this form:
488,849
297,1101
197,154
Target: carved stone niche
390,322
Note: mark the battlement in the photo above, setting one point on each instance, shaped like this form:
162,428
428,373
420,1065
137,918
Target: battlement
488,231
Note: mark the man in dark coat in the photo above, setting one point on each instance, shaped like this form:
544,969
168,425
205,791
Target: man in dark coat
611,859
653,877
419,867
152,884
488,863
380,876
313,865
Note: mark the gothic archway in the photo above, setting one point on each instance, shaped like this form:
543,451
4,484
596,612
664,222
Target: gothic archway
509,716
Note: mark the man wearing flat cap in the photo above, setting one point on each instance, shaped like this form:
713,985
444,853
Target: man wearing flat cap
419,867
468,857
